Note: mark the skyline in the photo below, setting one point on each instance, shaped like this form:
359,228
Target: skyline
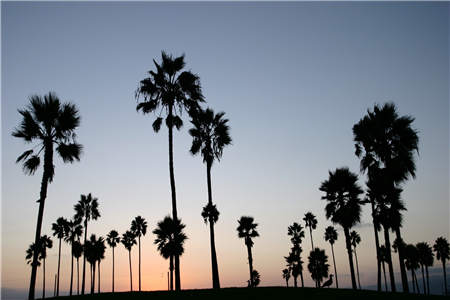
291,105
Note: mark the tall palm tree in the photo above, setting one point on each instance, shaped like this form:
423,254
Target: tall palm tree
286,276
296,232
385,140
139,228
77,250
59,231
383,259
247,231
45,243
91,257
344,206
170,239
318,266
99,255
355,239
311,222
428,261
73,234
412,263
128,240
331,237
113,239
85,210
50,124
425,253
210,136
172,91
442,249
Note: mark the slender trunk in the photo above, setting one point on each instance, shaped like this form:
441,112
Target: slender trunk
214,266
334,263
310,234
43,280
389,258
98,289
301,278
287,283
428,280
71,273
423,280
377,246
83,279
59,263
412,281
415,280
93,279
78,275
250,264
385,281
131,274
350,257
295,281
48,164
445,277
402,263
357,269
113,271
171,272
139,239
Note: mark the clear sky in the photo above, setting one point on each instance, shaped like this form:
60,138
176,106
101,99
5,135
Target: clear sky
292,78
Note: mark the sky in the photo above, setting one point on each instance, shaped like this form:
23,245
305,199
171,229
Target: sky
293,78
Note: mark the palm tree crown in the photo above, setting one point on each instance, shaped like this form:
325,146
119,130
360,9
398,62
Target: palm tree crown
296,232
113,238
247,230
170,237
139,226
442,249
310,220
355,238
60,228
331,235
318,266
87,208
128,240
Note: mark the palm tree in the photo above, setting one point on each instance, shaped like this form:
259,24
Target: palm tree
77,251
59,230
73,234
210,135
172,91
45,243
344,206
51,124
30,253
425,253
384,140
247,231
295,263
355,239
91,256
383,259
128,240
412,263
85,210
311,222
113,239
256,279
99,255
442,249
331,237
318,266
139,228
170,239
286,276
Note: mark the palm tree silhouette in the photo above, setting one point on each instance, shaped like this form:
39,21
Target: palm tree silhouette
99,255
128,240
85,210
172,91
344,206
210,136
311,222
77,251
170,239
45,243
73,234
383,259
113,239
424,252
385,140
139,228
51,124
256,279
355,239
318,266
294,261
91,256
59,230
442,249
412,263
331,237
247,231
286,276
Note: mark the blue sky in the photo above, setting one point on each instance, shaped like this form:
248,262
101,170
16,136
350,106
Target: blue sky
292,78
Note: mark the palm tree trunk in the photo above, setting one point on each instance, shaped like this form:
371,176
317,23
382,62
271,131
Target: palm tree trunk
389,258
295,281
445,277
385,281
214,266
377,246
171,272
415,280
78,275
83,279
423,280
43,280
48,163
93,278
139,239
428,280
287,283
402,263
301,278
350,257
113,271
334,263
131,274
98,289
310,234
412,281
250,264
357,269
59,263
71,274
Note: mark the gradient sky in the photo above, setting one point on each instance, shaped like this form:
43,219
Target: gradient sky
292,78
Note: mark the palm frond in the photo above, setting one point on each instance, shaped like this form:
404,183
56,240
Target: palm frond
30,165
70,152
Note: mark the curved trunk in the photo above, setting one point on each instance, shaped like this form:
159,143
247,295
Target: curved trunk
59,263
389,258
357,269
43,280
139,238
113,271
250,264
377,246
83,279
385,281
350,257
445,277
48,164
214,266
334,263
131,274
71,273
402,263
423,280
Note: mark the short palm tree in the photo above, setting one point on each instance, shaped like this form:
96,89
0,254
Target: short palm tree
425,254
247,231
170,240
331,237
45,243
311,223
113,239
170,90
344,206
139,228
442,249
286,276
318,265
210,136
256,279
90,255
85,210
73,234
295,263
50,124
128,240
99,255
412,263
59,231
355,239
77,250
383,260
